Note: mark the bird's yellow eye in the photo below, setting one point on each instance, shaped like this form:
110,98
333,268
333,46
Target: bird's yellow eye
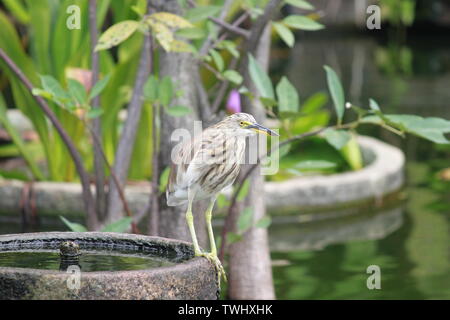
242,123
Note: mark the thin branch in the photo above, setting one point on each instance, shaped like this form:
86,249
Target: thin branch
89,204
229,27
223,89
98,163
153,219
97,142
209,40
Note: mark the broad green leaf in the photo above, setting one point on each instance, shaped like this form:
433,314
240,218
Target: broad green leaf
337,92
260,79
314,165
116,34
233,76
151,89
18,10
192,33
264,222
164,179
42,93
285,33
352,153
374,105
76,89
337,138
230,46
268,102
202,12
75,227
233,237
218,60
288,100
301,4
178,111
302,23
121,225
245,220
181,46
94,113
162,33
170,19
314,102
99,86
165,91
51,85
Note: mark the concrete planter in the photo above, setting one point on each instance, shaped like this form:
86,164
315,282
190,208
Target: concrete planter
190,278
383,175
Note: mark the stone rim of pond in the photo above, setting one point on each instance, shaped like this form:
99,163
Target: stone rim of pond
190,278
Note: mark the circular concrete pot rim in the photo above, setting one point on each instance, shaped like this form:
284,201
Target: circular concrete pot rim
190,263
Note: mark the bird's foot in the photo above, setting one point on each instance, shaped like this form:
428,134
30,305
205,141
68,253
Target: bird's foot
214,260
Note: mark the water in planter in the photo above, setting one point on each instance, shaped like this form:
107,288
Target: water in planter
88,261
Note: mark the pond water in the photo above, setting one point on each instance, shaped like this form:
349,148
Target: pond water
409,240
87,261
410,243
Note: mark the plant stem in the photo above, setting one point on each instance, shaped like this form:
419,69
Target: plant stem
97,129
97,142
153,219
89,204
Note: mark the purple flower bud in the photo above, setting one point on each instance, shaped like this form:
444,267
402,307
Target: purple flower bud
234,102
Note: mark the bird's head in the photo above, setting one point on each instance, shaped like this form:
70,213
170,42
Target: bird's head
245,124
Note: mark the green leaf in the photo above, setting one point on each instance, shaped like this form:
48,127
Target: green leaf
337,138
268,102
264,222
75,227
230,46
151,89
260,79
337,92
192,33
42,93
121,225
352,153
245,220
374,105
233,237
169,19
301,4
98,87
288,100
164,179
233,76
116,34
314,102
178,111
94,113
314,165
302,23
202,12
218,60
77,90
285,33
165,91
50,84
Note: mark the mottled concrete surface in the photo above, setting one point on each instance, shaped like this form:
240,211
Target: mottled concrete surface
190,278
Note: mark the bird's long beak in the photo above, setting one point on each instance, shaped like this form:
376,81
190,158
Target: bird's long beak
261,129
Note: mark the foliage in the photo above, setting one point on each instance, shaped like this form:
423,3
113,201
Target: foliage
121,225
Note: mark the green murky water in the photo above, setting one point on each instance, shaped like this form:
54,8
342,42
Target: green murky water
88,261
410,243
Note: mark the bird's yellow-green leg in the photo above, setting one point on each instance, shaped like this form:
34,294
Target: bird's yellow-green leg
190,222
212,256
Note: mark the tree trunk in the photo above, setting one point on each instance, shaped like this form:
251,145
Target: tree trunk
250,275
180,67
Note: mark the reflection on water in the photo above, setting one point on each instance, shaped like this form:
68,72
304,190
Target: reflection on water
88,261
411,243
